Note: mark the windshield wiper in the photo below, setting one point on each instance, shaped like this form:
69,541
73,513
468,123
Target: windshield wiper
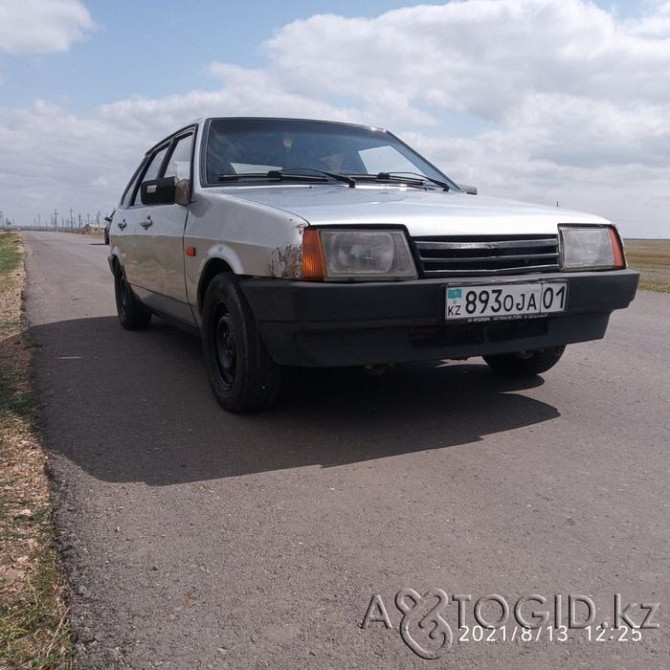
333,175
272,174
415,179
280,175
393,176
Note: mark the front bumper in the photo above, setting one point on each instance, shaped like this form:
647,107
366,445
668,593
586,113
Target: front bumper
327,324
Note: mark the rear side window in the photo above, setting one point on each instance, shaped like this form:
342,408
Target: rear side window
132,185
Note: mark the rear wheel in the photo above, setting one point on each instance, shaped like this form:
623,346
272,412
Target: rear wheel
132,314
525,363
242,374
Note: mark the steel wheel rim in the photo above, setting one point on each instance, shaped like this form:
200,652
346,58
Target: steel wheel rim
122,295
225,348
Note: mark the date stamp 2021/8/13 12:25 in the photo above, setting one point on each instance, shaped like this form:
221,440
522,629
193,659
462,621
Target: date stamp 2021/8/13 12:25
530,618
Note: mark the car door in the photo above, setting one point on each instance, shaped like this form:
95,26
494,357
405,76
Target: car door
169,222
138,258
160,235
120,238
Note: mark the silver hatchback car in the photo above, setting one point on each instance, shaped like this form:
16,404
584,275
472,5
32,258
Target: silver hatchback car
290,242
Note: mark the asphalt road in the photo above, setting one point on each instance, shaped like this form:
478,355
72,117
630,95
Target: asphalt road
197,539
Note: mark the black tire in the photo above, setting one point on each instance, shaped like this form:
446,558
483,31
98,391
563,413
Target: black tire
132,314
243,376
525,363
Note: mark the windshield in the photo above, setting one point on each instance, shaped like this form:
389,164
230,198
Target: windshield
239,148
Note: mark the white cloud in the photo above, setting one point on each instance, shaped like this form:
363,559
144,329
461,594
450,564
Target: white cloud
42,26
655,26
49,157
568,102
482,57
244,91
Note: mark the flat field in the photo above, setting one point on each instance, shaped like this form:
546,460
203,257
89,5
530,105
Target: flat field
652,259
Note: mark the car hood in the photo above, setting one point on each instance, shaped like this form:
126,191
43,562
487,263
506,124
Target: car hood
424,213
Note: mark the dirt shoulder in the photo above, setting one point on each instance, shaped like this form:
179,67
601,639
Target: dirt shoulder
34,629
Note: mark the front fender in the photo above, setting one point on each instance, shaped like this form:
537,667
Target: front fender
224,253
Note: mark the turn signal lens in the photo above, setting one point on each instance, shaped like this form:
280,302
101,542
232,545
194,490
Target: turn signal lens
313,261
617,249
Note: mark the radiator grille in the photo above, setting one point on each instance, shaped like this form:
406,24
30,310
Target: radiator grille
487,255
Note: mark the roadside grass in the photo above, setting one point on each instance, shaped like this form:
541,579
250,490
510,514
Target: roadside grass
652,259
10,255
34,630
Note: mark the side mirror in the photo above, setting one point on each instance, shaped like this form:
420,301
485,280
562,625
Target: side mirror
470,190
159,191
165,191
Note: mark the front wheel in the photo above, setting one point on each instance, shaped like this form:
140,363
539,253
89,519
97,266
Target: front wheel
525,363
242,374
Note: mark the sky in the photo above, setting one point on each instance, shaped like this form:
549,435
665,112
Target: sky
548,101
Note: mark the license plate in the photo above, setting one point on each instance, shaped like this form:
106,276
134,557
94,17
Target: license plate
505,301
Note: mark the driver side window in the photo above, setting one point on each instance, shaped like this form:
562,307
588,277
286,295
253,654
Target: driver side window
151,172
179,165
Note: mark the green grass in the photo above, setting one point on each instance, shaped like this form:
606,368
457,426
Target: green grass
10,254
33,632
14,402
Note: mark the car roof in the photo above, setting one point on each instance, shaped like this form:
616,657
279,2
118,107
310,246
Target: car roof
203,119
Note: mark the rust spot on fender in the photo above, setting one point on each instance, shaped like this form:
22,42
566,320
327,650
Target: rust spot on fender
286,262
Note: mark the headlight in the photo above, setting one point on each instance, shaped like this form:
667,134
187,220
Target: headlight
363,255
591,248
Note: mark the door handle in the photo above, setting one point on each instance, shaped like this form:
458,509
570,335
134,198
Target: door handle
122,224
147,223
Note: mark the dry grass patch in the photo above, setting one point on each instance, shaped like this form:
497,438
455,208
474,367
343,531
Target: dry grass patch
652,259
34,632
